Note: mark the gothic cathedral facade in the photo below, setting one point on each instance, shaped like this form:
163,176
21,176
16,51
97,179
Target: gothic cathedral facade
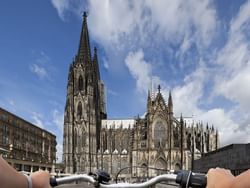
91,141
85,107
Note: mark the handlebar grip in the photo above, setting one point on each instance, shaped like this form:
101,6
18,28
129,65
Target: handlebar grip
187,178
53,182
198,180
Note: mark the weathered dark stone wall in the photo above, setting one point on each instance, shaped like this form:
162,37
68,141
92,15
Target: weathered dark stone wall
235,157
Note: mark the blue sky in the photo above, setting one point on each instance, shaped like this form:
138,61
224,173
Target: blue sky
200,50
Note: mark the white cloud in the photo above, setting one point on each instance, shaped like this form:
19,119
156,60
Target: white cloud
105,64
242,19
111,92
236,88
234,61
231,80
235,55
42,66
229,131
58,119
187,97
176,18
12,103
42,58
61,6
187,41
141,71
169,20
106,24
37,119
59,152
65,6
40,71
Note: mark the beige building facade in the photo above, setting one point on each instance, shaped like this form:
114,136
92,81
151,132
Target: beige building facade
25,146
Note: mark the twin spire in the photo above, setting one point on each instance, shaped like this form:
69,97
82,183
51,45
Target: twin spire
84,53
84,50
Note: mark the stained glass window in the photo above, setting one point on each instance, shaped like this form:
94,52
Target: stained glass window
159,134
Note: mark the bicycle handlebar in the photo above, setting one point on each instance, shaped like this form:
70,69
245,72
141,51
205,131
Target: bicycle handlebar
84,177
184,178
187,179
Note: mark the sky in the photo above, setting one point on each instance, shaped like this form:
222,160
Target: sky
197,49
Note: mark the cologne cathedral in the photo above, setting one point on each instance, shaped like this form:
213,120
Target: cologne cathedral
140,146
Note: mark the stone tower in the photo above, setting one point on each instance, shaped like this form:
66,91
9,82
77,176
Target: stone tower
84,109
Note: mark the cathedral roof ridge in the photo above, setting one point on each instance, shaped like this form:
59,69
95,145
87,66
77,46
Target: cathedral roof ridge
116,124
120,119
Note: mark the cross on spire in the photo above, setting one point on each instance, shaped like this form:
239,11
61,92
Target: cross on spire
159,88
85,15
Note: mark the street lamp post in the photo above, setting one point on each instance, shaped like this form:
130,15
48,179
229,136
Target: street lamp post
11,148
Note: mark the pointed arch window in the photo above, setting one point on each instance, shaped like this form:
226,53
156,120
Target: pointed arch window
207,142
86,84
79,110
105,145
83,138
75,138
80,83
189,141
67,111
177,166
144,170
198,141
159,134
176,137
160,164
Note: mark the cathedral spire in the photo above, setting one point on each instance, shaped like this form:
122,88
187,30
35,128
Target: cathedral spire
159,88
96,65
181,120
84,54
170,102
182,130
149,100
